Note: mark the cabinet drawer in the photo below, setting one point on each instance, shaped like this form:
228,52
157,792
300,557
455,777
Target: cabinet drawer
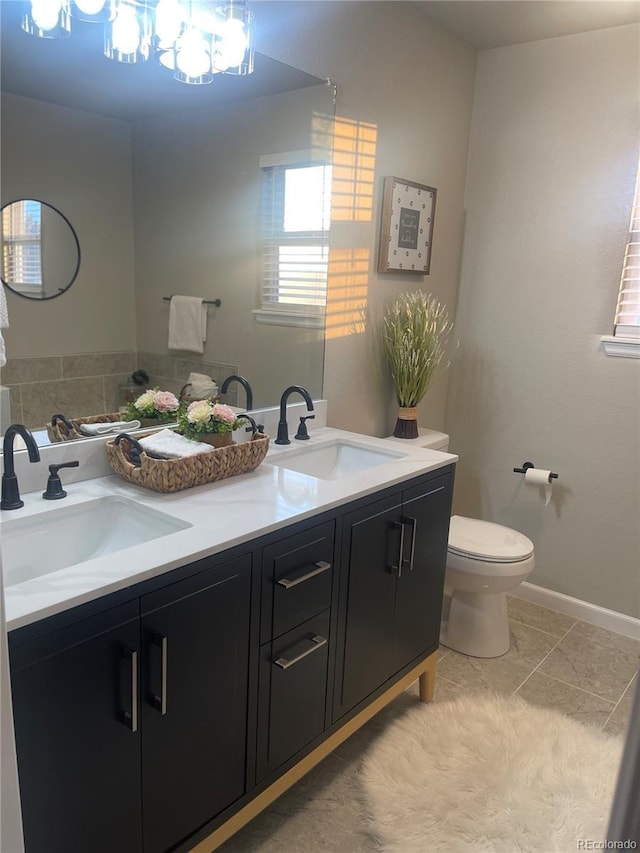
292,692
297,575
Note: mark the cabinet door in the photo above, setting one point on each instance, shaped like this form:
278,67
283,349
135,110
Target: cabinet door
78,743
195,637
292,692
418,605
371,548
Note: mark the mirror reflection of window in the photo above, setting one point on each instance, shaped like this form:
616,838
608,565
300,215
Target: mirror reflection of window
40,249
296,221
22,246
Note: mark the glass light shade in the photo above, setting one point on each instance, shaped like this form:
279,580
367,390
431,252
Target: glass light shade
168,23
128,37
47,19
192,58
93,11
234,40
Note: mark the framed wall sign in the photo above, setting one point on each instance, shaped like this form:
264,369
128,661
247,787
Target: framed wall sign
406,228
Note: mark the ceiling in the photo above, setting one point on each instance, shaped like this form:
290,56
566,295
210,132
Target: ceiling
496,23
74,71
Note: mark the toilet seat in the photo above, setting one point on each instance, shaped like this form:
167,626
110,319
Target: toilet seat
473,539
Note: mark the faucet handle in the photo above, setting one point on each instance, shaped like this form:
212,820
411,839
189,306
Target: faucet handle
54,484
302,434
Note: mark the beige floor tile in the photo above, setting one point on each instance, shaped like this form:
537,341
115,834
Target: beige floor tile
501,675
619,720
595,660
548,692
539,617
322,813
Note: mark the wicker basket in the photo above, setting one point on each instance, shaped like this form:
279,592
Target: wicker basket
65,429
129,459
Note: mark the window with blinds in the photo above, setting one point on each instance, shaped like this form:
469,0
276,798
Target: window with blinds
296,213
22,244
627,322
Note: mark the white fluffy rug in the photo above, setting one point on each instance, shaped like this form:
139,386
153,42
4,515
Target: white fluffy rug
489,775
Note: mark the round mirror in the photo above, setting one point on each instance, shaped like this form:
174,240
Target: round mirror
40,249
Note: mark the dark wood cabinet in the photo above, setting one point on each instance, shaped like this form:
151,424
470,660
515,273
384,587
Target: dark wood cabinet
131,725
297,582
394,552
146,720
78,736
195,641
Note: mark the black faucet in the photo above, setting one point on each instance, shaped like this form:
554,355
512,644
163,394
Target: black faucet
283,429
241,381
10,491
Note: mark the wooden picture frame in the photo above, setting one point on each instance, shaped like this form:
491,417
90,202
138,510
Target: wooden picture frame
406,227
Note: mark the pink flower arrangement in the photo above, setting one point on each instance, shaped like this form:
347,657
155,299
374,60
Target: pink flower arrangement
203,416
158,405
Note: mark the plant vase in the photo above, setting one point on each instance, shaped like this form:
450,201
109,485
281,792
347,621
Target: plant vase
217,439
407,422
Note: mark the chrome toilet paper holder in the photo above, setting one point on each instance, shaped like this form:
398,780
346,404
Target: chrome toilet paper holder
527,465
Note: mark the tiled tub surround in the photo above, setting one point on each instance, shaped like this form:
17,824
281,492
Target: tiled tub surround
555,661
84,385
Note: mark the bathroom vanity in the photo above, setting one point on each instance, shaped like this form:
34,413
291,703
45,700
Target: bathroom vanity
167,692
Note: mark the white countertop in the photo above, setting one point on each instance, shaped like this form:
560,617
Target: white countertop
222,515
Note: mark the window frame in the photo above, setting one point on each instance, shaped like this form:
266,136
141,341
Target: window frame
273,237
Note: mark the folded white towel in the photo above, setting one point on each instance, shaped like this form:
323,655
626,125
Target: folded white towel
187,323
4,324
170,445
106,427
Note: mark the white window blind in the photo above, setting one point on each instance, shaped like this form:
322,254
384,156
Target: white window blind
296,211
627,322
22,243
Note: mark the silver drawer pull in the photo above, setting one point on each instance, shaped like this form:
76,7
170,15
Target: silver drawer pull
130,718
317,641
159,702
318,569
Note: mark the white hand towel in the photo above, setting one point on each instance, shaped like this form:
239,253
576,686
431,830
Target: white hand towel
106,427
187,323
170,445
4,324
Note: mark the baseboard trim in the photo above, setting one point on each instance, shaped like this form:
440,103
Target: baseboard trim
619,623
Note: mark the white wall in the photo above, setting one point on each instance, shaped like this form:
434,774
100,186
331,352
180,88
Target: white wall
553,153
80,163
413,82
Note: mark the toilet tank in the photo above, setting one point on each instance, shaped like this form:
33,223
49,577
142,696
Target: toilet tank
429,438
432,439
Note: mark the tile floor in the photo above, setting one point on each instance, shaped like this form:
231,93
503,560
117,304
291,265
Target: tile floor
556,661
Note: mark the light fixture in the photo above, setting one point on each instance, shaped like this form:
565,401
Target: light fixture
47,19
194,39
127,38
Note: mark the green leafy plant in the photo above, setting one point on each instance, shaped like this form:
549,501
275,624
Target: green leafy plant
415,329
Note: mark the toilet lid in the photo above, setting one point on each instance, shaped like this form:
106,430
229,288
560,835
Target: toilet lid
484,540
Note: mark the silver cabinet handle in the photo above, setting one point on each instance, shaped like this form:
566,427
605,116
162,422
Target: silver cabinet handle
317,642
412,522
130,718
317,569
160,702
398,568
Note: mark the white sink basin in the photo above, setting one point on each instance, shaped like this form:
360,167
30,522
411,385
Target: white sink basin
334,459
41,544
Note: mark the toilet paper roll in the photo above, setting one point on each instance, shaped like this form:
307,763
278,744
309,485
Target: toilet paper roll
540,477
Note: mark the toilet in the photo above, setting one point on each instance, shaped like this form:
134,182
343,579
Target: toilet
484,562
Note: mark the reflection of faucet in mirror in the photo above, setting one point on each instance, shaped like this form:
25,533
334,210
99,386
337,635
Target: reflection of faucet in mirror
241,381
10,492
283,429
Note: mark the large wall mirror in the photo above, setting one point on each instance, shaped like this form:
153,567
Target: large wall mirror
163,185
40,249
